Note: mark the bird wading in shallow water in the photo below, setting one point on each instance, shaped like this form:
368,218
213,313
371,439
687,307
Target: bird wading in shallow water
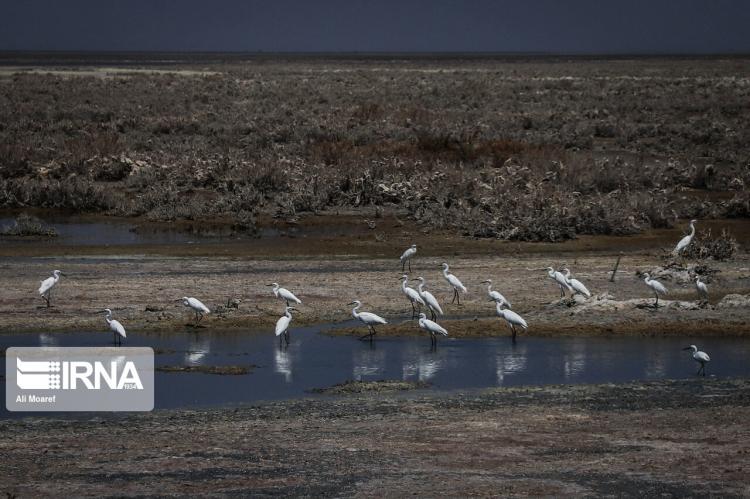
685,241
700,357
282,325
45,289
657,287
284,294
368,319
431,327
454,282
412,295
512,318
407,255
429,299
117,329
196,306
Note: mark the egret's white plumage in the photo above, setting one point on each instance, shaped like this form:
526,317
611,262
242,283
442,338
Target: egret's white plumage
701,287
512,318
576,285
560,280
454,282
412,295
282,325
701,357
284,294
429,299
45,288
367,318
117,329
196,305
685,241
495,295
656,286
407,255
431,327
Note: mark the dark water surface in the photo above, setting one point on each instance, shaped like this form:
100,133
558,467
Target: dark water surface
314,360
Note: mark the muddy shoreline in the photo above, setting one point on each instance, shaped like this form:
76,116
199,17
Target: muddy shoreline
555,441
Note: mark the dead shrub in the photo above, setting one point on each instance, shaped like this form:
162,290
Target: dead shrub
705,245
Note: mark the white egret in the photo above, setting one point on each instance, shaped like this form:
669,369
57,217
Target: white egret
197,307
406,257
656,286
431,327
454,282
117,330
284,294
367,318
685,241
700,357
282,325
576,285
512,318
701,287
429,299
45,289
560,280
495,295
414,298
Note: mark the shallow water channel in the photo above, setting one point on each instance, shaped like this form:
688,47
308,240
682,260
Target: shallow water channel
314,360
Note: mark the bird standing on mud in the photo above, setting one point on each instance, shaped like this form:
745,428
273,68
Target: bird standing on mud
701,357
576,285
407,255
117,329
429,299
45,289
495,295
454,282
685,241
656,286
431,327
282,325
197,307
368,319
560,280
512,318
284,294
701,287
412,295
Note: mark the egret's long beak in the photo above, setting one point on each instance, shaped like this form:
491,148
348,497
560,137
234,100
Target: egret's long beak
353,303
687,348
295,309
486,282
269,284
415,279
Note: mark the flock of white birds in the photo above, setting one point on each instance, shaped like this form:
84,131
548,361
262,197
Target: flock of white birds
418,299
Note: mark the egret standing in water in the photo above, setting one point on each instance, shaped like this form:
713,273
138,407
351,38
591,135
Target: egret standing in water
685,241
282,325
512,318
284,294
197,307
429,299
656,286
406,257
495,295
701,287
454,282
367,318
560,280
576,285
431,327
45,289
117,330
414,298
700,357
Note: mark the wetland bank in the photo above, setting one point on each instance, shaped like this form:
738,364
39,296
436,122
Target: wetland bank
215,179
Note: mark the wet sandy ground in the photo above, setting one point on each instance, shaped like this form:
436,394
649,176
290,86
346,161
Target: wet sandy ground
142,291
669,439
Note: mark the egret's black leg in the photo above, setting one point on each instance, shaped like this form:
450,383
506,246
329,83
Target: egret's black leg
458,297
513,331
403,266
286,336
287,303
433,315
409,265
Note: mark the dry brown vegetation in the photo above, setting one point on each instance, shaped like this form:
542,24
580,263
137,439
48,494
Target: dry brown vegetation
516,150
